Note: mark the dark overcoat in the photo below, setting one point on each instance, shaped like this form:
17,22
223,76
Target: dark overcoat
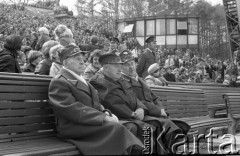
153,103
80,118
43,68
122,101
8,61
146,59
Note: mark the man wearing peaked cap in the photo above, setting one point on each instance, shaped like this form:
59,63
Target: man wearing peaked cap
155,109
121,98
70,50
80,114
148,57
150,39
109,58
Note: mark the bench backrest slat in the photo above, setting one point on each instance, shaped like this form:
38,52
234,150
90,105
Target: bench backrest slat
23,89
182,103
24,107
233,102
14,104
26,120
25,96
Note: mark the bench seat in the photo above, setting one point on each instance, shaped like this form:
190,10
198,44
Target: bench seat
39,146
190,106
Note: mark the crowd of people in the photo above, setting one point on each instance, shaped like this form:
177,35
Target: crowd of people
175,65
105,79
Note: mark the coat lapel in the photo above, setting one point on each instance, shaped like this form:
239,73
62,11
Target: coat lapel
74,81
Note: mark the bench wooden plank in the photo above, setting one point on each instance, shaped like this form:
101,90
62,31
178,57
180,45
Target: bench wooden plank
22,89
24,83
25,112
24,104
26,128
44,146
26,120
28,136
25,96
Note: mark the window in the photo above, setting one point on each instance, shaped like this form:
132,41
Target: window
171,26
182,39
193,26
160,40
171,40
140,28
182,26
192,39
151,27
160,27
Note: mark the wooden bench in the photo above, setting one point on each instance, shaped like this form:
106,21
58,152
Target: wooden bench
189,105
233,104
27,123
214,92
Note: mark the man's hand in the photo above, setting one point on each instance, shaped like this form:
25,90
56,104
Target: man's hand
112,118
140,113
163,113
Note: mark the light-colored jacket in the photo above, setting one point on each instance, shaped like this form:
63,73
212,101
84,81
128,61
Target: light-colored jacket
55,69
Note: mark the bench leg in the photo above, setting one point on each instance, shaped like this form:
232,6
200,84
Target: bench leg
232,127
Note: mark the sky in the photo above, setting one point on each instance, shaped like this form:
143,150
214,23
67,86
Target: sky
214,2
71,3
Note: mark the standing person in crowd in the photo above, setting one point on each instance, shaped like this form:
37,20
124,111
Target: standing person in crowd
148,57
34,58
56,64
155,78
9,53
169,61
33,40
94,65
63,35
114,44
81,118
43,37
44,66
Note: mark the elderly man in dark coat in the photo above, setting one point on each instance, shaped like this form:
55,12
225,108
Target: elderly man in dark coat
148,57
144,93
122,101
80,116
9,54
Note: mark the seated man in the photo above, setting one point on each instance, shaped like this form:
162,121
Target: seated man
122,101
144,93
80,116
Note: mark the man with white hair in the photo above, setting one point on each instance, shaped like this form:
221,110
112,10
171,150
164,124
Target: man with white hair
80,116
43,37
